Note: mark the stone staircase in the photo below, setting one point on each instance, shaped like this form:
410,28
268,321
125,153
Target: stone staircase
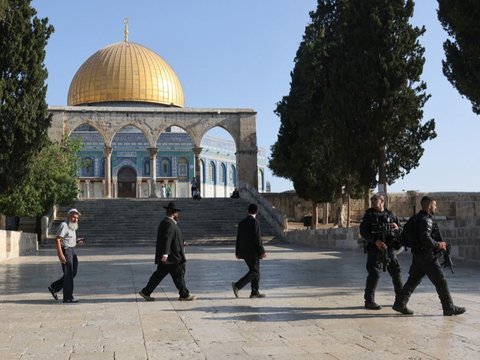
134,222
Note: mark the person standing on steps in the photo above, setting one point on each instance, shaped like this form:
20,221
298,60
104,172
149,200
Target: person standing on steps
66,241
169,256
249,247
193,186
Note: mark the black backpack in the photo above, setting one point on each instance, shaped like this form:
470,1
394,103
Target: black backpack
409,231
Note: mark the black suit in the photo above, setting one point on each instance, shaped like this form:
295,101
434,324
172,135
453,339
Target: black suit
169,242
249,247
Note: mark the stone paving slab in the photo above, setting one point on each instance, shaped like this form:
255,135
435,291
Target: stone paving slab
313,310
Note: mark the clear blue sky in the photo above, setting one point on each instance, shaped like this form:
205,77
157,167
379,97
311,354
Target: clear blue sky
239,54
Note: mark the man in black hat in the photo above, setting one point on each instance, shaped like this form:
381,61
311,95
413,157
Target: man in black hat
169,256
249,247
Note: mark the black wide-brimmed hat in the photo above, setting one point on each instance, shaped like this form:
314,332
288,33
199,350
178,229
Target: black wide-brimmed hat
171,206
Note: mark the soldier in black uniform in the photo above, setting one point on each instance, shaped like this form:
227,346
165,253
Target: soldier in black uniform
379,227
428,242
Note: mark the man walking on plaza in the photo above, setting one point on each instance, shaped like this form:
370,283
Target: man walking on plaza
427,244
66,242
379,227
249,247
169,256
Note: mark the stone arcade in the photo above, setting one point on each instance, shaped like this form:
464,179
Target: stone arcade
126,105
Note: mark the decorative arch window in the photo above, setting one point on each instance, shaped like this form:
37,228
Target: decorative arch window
202,171
87,167
146,166
183,167
261,180
223,174
232,175
102,167
211,173
165,167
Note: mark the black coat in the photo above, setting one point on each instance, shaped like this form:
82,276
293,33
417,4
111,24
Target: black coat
170,242
249,240
427,232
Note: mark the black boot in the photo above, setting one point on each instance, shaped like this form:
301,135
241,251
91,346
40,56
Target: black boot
454,310
372,305
402,309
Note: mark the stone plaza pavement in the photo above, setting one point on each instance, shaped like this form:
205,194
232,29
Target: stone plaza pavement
313,309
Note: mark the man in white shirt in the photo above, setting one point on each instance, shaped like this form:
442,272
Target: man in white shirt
66,241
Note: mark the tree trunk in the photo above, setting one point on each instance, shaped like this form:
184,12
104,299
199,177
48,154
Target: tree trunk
340,212
348,209
325,213
366,197
314,224
382,174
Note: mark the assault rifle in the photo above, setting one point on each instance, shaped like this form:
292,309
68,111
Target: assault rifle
386,234
385,258
390,238
447,259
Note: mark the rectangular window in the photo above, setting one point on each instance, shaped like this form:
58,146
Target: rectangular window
182,170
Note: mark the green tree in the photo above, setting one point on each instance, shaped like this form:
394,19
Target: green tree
52,179
462,51
301,152
375,96
354,111
24,117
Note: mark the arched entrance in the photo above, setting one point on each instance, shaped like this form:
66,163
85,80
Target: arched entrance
127,182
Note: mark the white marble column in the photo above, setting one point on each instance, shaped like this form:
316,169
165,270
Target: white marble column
139,187
196,151
153,171
87,189
115,187
107,153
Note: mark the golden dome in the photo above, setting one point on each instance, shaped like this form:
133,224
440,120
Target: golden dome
125,72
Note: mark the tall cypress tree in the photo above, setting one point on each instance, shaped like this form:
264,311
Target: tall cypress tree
24,118
376,96
301,152
460,18
354,111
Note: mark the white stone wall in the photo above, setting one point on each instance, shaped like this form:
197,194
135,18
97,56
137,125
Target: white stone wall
16,243
217,191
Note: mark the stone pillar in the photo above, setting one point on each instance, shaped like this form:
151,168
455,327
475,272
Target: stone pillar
196,151
115,187
107,154
153,171
87,189
247,167
139,187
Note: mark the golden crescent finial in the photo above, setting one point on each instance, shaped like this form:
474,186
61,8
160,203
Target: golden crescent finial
125,21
